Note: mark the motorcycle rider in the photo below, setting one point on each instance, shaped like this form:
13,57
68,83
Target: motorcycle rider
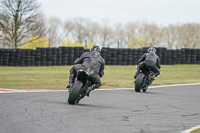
150,60
91,62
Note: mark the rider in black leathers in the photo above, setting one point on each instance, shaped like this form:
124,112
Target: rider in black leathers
91,62
150,60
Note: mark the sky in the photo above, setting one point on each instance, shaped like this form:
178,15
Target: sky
161,12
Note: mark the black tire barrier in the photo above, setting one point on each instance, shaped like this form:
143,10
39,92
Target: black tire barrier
112,56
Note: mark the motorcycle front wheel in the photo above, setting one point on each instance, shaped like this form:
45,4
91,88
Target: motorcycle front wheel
74,92
139,82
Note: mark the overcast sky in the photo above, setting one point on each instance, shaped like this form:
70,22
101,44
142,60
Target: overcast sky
161,12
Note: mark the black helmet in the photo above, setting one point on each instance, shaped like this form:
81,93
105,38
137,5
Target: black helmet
151,49
95,48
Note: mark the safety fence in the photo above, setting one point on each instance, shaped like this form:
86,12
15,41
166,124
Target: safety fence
113,56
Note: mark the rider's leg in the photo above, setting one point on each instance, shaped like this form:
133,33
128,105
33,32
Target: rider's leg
72,75
155,70
96,82
139,66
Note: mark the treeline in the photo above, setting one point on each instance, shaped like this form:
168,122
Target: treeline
22,22
134,34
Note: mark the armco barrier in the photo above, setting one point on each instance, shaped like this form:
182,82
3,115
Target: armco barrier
113,56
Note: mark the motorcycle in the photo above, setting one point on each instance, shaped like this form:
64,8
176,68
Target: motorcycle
144,79
80,87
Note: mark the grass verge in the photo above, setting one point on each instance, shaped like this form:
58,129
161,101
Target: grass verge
56,77
196,131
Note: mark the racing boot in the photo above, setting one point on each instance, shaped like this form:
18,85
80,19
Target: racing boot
136,74
157,74
71,78
92,87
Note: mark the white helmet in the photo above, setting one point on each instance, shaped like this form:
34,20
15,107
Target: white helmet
151,49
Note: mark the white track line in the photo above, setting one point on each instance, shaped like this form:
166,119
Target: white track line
2,90
159,86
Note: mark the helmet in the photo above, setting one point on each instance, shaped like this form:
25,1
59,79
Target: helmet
95,48
151,49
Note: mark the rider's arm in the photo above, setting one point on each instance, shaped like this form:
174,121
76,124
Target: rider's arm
79,60
142,58
101,72
158,63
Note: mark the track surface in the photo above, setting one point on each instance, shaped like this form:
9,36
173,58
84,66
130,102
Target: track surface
160,110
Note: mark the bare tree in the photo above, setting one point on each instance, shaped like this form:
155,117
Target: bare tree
134,34
53,34
189,35
106,35
131,32
76,29
120,35
20,20
92,31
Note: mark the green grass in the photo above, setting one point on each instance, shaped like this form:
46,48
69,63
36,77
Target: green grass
196,131
56,77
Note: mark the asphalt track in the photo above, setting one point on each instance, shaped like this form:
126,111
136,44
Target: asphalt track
160,110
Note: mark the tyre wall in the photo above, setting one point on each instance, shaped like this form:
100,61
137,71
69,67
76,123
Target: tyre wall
67,55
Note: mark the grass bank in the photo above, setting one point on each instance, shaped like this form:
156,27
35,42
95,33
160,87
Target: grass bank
56,77
196,131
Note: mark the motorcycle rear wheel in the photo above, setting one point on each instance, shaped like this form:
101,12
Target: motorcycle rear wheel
74,93
139,82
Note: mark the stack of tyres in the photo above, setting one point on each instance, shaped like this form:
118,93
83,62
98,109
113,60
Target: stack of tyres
11,57
77,52
43,56
134,57
38,57
59,57
6,54
178,56
22,57
113,56
103,53
168,57
145,49
32,57
164,56
173,57
81,51
54,56
124,56
198,56
65,55
86,50
129,57
1,57
48,56
159,52
108,56
119,56
27,57
139,53
71,58
182,56
187,56
193,56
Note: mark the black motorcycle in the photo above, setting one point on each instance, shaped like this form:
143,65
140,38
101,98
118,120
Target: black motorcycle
80,87
144,79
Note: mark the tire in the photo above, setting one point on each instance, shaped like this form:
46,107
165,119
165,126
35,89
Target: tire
74,92
138,82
